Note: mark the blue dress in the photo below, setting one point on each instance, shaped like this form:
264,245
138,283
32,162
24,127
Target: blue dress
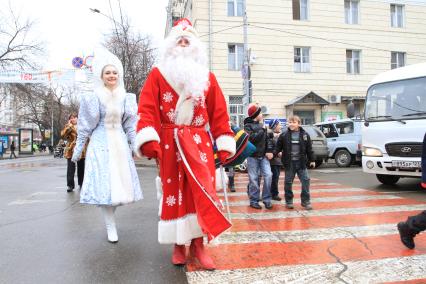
108,120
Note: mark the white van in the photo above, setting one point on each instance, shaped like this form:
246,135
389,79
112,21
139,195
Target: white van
395,123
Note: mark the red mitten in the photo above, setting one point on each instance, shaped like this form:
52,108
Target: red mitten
152,150
424,184
223,155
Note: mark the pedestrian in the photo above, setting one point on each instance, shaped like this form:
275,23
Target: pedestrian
295,148
108,117
258,162
179,98
276,164
414,224
69,133
12,149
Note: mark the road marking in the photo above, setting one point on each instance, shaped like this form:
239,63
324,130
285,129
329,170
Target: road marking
26,201
370,271
351,189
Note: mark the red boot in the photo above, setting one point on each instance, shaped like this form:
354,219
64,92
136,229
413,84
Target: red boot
198,251
179,255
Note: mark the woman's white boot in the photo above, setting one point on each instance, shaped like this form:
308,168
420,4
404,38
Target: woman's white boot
108,212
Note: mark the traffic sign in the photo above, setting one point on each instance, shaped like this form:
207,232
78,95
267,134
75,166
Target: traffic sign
77,62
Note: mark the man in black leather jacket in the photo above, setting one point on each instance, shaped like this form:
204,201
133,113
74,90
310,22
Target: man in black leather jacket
259,161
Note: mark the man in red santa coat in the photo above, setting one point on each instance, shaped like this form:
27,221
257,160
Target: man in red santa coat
180,100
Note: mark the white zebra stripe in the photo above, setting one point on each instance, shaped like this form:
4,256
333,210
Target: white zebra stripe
371,271
327,212
352,189
327,199
306,235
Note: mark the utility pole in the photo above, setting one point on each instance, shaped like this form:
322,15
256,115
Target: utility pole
246,63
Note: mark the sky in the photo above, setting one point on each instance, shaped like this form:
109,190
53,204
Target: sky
70,29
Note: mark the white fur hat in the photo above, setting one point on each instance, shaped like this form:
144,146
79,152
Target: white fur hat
183,28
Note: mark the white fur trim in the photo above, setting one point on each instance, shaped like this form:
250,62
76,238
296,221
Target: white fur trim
159,186
179,231
184,111
144,135
219,184
226,143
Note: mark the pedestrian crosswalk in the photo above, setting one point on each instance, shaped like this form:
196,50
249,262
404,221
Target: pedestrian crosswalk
349,237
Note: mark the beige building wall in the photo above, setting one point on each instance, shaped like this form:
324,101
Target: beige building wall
273,34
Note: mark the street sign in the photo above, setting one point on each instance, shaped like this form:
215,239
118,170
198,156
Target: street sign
77,62
283,121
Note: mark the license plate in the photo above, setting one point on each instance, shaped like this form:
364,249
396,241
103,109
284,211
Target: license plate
406,164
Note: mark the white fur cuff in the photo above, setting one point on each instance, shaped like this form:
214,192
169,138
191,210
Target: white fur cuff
226,143
146,134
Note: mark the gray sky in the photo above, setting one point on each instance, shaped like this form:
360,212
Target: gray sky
70,29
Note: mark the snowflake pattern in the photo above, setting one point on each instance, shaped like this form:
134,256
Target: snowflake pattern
198,120
200,102
171,115
180,198
167,97
171,200
203,157
197,138
178,157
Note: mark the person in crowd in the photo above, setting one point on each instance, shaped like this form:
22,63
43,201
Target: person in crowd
276,164
179,98
108,117
12,150
414,224
69,133
258,162
295,148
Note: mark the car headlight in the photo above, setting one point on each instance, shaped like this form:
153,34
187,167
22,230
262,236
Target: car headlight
372,152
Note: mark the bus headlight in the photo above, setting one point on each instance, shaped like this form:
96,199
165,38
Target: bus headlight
372,152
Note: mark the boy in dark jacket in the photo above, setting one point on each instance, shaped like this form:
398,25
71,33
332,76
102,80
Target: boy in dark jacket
296,152
414,224
276,164
259,160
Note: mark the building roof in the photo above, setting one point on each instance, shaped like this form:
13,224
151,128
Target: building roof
407,72
310,98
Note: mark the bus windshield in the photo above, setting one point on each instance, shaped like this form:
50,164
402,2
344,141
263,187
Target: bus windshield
405,99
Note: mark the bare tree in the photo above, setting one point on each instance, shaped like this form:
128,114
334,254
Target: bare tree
18,46
135,52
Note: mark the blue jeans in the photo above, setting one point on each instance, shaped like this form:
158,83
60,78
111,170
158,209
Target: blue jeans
302,173
253,167
275,179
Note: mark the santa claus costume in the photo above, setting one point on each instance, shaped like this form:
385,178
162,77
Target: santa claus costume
182,112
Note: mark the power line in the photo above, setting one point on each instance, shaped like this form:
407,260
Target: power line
331,40
219,31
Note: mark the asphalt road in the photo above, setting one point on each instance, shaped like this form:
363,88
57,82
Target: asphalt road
46,236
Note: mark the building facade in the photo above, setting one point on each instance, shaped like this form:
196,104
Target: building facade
306,57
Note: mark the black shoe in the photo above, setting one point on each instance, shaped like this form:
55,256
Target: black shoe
307,206
232,188
268,205
277,198
255,206
406,235
70,189
289,206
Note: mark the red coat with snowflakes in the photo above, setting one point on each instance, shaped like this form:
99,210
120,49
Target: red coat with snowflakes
189,206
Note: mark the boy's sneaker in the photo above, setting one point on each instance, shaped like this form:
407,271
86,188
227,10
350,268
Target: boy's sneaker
268,205
289,206
307,206
406,235
277,198
255,206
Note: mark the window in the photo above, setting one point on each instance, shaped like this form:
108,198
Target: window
353,61
302,62
329,130
307,117
397,15
236,110
351,11
235,8
397,59
235,56
300,10
345,127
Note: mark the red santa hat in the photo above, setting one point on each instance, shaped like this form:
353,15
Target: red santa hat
253,110
183,28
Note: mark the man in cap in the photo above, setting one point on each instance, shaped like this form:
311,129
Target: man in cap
179,99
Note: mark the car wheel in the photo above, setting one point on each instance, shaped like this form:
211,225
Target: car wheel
343,158
318,163
388,179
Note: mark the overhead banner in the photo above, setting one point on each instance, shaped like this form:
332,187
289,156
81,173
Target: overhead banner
41,77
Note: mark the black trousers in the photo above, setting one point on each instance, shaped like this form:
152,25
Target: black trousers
71,172
417,223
